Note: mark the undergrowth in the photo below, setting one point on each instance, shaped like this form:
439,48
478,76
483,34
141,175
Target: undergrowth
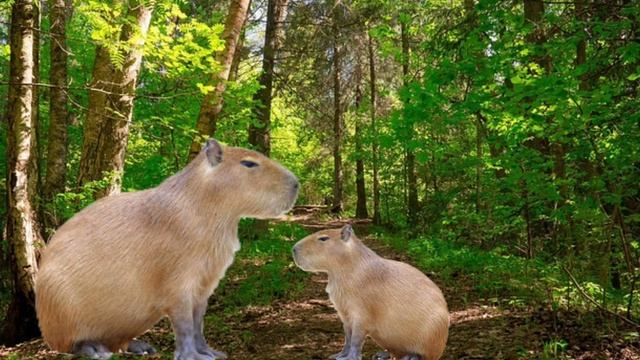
264,268
503,279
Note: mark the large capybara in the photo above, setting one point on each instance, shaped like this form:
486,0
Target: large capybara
120,265
390,301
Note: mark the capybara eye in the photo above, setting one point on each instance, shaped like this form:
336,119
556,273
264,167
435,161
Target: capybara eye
323,238
248,163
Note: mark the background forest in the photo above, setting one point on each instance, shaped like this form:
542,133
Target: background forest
495,142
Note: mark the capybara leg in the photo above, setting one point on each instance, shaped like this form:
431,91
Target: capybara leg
90,349
382,355
198,325
412,357
347,344
183,326
140,347
355,346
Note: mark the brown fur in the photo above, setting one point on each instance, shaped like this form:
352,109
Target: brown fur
390,301
120,265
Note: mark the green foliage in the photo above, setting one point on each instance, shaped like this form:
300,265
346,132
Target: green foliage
501,278
554,349
514,158
265,267
67,204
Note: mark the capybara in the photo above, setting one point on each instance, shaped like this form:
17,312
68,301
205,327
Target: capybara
118,266
395,304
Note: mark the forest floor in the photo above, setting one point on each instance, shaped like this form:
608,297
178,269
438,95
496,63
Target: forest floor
307,327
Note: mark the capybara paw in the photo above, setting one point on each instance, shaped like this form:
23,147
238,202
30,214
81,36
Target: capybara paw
192,355
350,357
382,355
338,355
412,357
213,353
140,347
91,349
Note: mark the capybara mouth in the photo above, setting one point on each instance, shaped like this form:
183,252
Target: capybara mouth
296,259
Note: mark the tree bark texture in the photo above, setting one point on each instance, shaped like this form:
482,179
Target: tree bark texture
361,192
57,145
22,227
374,144
259,133
212,102
106,128
337,117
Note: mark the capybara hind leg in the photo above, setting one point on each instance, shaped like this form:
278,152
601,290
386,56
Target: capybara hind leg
91,349
140,347
198,324
382,355
412,357
347,344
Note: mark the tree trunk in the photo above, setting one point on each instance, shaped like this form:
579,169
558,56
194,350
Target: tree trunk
361,192
57,145
533,14
212,103
374,130
259,133
337,118
106,128
412,179
240,54
22,228
470,14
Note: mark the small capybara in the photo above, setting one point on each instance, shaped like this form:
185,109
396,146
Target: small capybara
390,301
121,264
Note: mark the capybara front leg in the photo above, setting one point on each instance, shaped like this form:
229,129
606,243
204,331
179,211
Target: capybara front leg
355,346
347,343
183,326
198,327
90,349
140,347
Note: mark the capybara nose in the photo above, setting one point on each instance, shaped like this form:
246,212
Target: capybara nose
295,250
295,184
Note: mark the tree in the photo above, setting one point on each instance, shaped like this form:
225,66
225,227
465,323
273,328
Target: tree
22,230
212,102
57,145
106,128
374,130
337,202
361,191
259,134
412,179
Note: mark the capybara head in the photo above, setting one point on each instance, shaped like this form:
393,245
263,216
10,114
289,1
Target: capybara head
254,185
325,250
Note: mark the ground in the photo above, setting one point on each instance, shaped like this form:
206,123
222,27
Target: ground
306,327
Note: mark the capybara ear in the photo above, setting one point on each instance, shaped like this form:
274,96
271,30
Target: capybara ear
213,150
346,233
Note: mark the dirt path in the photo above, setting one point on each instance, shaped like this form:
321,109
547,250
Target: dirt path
308,327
